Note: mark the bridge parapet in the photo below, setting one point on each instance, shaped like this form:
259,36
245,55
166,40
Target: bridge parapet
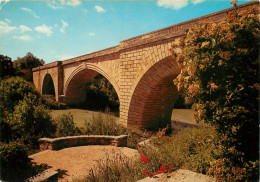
172,32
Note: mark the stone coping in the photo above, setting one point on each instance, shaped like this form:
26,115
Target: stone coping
81,140
163,34
47,175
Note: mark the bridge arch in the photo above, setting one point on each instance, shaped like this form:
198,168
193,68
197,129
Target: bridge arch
153,96
73,88
48,87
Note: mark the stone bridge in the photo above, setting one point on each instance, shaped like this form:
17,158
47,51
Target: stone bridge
141,70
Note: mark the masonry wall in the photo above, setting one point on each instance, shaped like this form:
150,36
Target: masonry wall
141,69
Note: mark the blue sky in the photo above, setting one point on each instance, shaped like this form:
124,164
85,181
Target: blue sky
60,29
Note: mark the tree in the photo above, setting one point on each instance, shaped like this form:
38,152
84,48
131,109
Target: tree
6,66
13,90
219,72
25,65
100,94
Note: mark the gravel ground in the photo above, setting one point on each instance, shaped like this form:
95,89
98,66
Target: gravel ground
75,162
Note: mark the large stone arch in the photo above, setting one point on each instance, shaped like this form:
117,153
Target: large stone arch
153,96
73,88
48,87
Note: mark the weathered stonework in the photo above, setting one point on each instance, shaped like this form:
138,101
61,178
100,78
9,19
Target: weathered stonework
82,140
141,70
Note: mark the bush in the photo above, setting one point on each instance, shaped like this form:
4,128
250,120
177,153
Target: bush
66,126
14,161
190,149
220,73
116,168
29,122
14,90
104,125
50,102
100,94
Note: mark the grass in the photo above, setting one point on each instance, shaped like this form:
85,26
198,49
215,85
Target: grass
79,115
189,149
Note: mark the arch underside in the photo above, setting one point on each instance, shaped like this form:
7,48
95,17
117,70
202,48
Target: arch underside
75,86
154,96
75,94
48,85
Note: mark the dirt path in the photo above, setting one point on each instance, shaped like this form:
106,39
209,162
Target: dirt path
75,162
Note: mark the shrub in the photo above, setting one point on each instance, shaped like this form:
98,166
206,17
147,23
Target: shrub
14,90
190,149
50,102
66,126
100,94
104,125
29,122
220,73
116,168
14,161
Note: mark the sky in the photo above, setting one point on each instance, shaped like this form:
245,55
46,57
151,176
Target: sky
56,30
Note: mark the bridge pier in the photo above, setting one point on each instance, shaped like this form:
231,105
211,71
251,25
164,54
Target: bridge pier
140,69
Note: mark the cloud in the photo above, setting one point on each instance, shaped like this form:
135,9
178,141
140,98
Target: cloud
56,25
58,4
64,25
23,37
44,29
7,20
5,28
99,9
63,57
30,12
177,4
2,3
91,34
24,28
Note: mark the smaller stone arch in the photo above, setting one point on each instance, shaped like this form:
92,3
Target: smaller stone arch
73,88
48,85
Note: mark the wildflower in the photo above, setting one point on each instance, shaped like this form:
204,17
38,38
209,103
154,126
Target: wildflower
145,173
151,175
144,159
162,168
171,167
158,172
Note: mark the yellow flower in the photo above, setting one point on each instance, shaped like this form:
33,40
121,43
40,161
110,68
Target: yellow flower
205,44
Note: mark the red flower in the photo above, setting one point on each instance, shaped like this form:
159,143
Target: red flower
145,173
144,159
171,167
158,172
162,168
151,175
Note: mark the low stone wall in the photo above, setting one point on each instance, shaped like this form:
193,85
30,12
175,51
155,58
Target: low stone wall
72,141
47,176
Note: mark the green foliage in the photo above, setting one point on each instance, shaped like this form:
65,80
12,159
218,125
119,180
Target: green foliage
6,66
30,121
14,160
220,74
66,126
51,103
15,164
100,94
13,90
104,125
190,149
25,65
